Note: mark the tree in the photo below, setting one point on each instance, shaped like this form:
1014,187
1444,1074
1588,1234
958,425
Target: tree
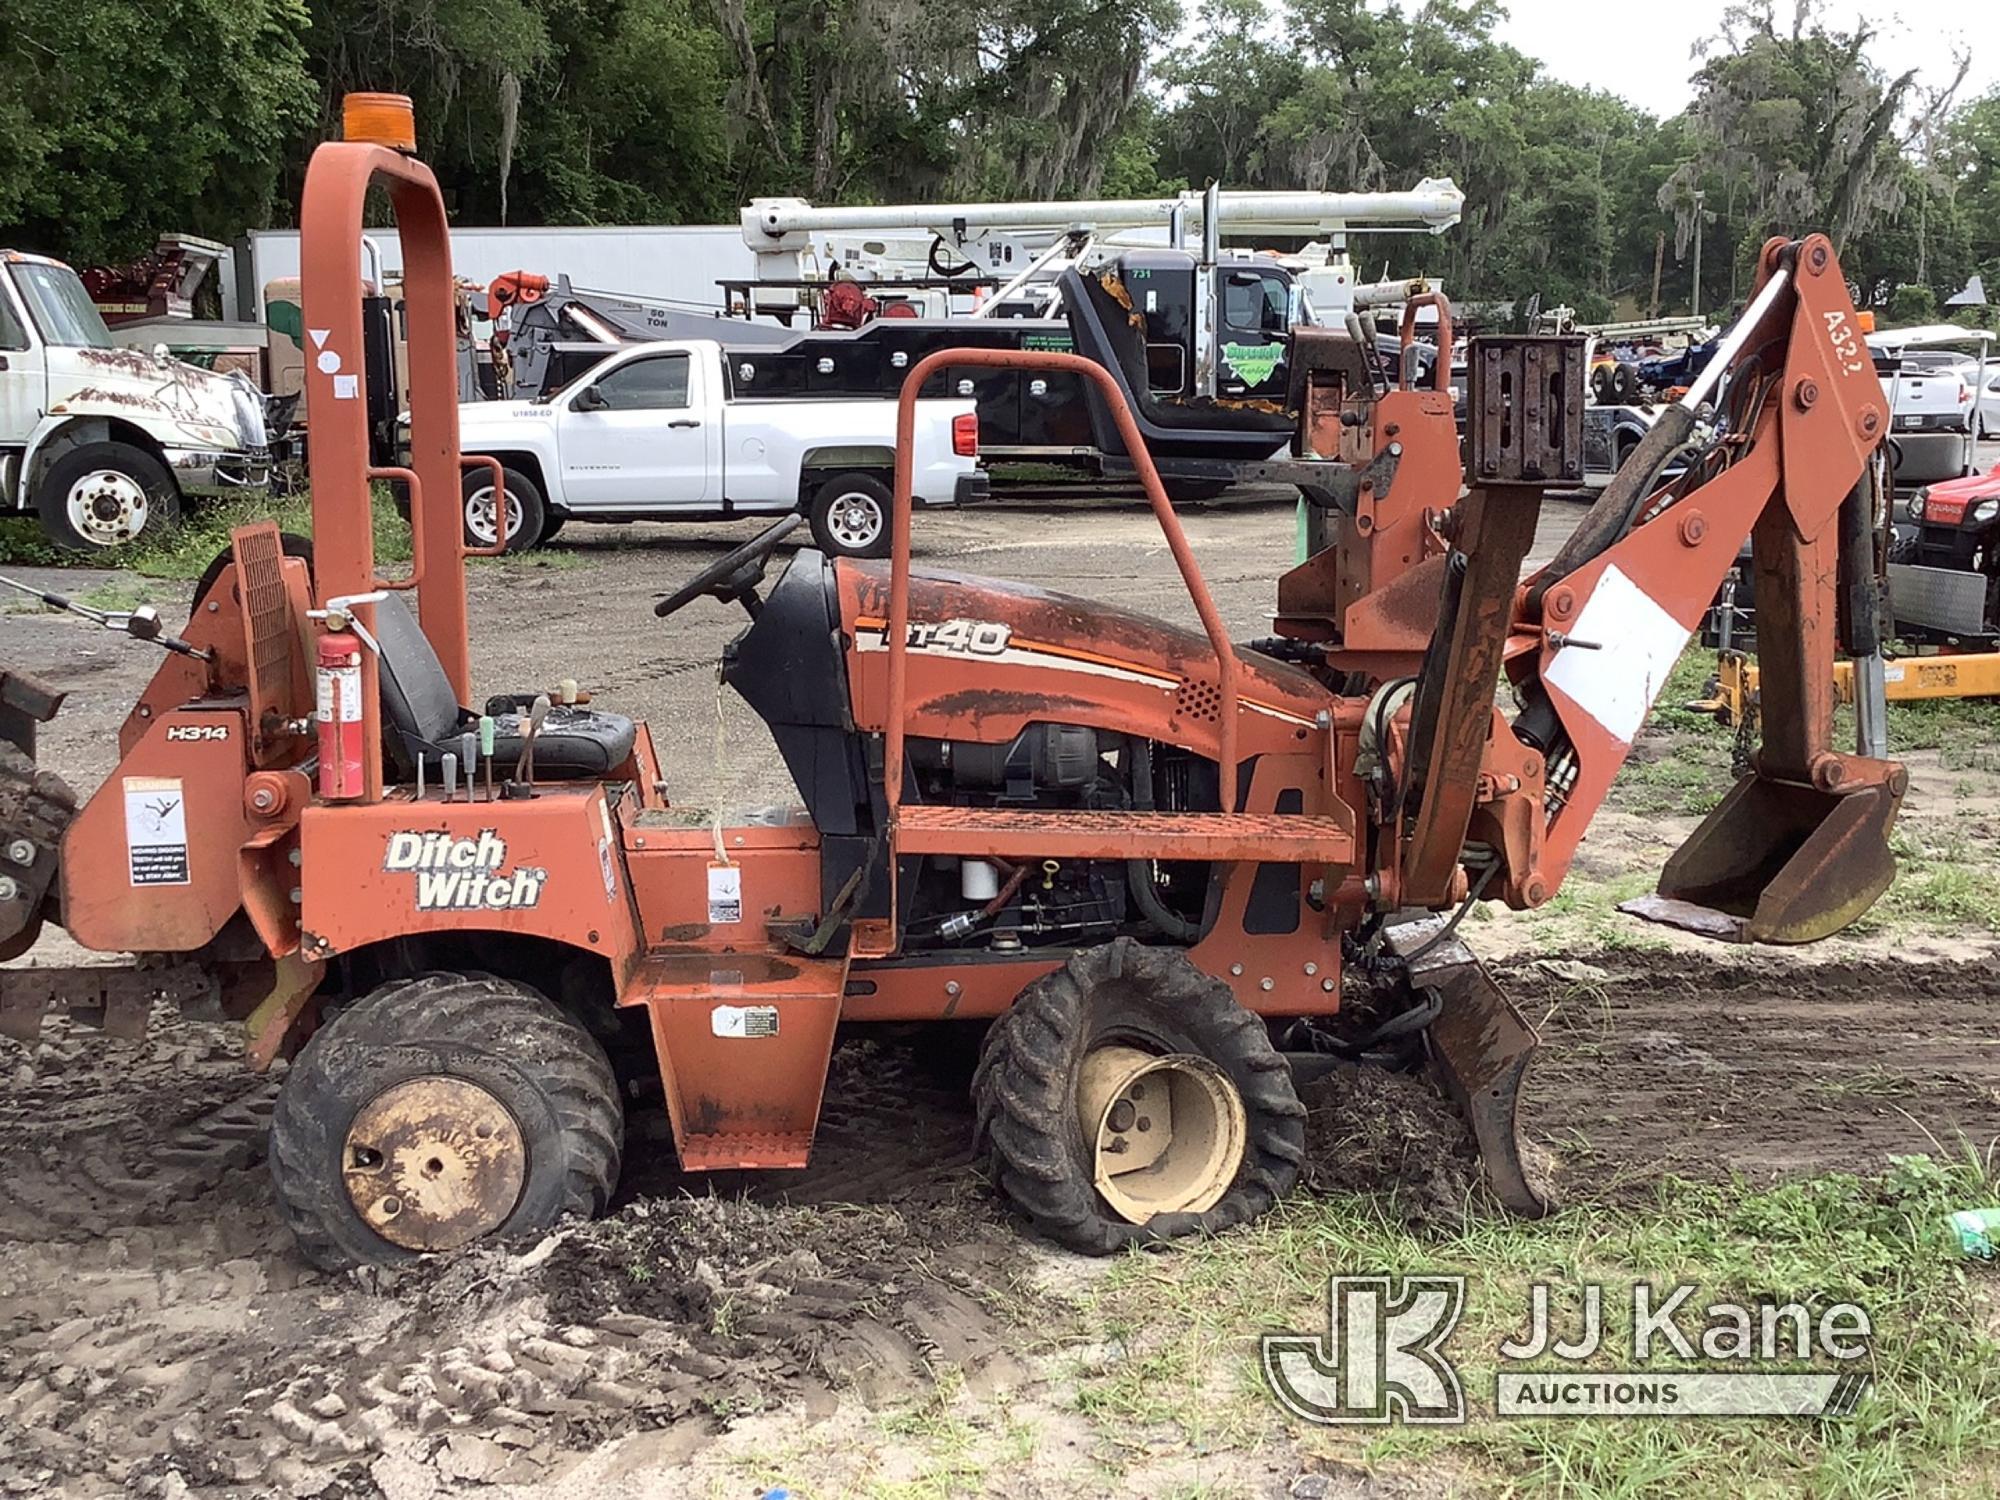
1793,130
119,121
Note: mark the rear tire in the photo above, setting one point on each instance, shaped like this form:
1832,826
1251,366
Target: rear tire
850,516
104,495
536,1088
527,513
1029,1124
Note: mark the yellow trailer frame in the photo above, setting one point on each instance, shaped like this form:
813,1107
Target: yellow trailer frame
1733,689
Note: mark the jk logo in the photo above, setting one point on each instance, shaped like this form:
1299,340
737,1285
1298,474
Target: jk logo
1382,1358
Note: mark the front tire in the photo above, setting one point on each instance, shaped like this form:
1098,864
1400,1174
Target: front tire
441,1110
850,516
104,495
527,512
1036,1070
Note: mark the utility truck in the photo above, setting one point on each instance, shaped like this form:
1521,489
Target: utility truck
666,431
105,443
1197,338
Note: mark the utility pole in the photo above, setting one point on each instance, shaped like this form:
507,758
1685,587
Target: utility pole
1694,302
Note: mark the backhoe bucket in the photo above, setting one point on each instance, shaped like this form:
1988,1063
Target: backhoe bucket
1479,1049
1782,862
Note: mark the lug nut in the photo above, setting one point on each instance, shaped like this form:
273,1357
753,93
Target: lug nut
10,889
21,852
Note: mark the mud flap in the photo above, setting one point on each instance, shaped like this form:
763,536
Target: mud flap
1781,862
1479,1049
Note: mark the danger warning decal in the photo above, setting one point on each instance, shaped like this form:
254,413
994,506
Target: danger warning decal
455,874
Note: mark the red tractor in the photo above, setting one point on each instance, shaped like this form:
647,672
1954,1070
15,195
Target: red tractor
1159,862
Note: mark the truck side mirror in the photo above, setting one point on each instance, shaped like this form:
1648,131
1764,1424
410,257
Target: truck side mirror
590,398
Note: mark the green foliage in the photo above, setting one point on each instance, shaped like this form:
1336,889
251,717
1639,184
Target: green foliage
1912,304
118,122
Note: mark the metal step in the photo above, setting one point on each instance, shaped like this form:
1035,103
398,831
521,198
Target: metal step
1054,833
743,1042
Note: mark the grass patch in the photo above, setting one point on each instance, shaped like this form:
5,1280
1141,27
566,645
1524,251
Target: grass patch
1946,882
1583,915
186,551
1185,1326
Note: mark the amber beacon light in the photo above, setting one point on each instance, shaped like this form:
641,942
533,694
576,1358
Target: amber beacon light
385,119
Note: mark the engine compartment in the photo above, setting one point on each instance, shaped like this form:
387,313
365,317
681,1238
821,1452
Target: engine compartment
988,903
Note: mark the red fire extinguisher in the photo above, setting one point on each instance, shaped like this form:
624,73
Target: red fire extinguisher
339,715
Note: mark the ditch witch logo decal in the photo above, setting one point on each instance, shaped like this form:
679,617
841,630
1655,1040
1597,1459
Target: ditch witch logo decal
456,874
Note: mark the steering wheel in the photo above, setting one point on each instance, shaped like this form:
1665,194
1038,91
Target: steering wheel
733,576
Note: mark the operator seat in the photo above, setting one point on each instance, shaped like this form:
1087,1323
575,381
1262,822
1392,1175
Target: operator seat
422,717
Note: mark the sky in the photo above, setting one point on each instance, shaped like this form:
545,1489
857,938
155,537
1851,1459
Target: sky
1642,51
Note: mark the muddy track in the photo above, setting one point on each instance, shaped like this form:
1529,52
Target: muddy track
160,1336
895,1129
100,1133
1704,1069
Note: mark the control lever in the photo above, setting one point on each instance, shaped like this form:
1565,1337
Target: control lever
523,783
142,624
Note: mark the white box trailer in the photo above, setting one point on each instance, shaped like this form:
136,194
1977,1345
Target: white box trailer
672,263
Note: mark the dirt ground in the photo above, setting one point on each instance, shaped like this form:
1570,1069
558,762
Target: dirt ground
159,1336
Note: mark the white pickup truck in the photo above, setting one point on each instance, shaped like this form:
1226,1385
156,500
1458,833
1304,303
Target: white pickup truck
653,433
104,442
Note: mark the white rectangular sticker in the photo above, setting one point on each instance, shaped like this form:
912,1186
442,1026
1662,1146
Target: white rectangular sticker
346,387
1636,645
156,841
604,860
744,1020
725,894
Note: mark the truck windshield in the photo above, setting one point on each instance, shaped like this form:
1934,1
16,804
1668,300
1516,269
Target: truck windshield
62,309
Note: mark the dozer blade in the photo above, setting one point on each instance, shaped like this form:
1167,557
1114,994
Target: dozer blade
1479,1048
1781,862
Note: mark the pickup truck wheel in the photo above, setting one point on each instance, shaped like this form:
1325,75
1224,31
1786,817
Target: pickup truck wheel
850,516
105,495
527,515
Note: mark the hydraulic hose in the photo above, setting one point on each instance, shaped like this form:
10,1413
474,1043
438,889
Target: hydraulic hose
1611,517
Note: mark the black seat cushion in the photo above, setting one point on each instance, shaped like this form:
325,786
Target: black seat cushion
422,717
574,742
